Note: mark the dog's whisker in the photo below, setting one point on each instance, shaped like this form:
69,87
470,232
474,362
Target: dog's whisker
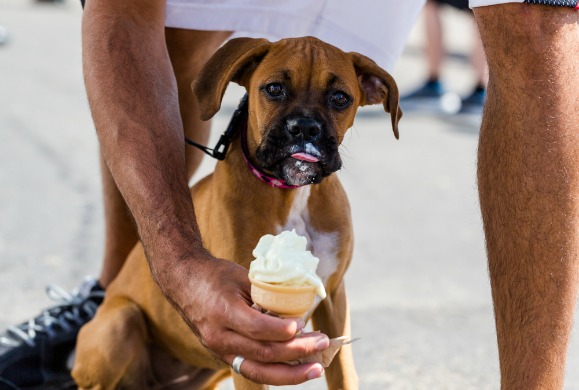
344,151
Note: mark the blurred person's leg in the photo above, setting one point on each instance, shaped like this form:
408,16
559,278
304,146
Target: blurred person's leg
433,39
474,101
428,96
529,186
478,60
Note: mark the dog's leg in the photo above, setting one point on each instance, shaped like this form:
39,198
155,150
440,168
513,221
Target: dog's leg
332,317
112,348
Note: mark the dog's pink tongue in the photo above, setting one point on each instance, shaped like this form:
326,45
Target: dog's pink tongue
305,157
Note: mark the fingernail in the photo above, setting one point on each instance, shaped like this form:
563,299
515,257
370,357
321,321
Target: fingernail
300,323
315,372
322,344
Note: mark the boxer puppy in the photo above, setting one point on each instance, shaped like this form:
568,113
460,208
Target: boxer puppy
303,97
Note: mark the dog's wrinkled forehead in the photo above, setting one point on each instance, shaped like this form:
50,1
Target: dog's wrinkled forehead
298,72
306,66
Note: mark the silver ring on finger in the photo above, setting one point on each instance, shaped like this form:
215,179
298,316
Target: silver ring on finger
236,365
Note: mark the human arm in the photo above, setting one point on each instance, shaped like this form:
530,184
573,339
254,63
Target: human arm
133,97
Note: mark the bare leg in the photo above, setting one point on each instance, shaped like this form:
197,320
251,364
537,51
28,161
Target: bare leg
187,63
478,60
529,186
189,51
434,45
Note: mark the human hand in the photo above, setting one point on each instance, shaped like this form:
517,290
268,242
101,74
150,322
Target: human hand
214,300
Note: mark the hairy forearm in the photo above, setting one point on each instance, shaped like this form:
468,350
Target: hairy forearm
133,98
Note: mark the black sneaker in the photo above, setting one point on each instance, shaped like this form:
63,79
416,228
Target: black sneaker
38,354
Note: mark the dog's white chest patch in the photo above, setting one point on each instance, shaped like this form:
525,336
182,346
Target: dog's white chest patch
322,245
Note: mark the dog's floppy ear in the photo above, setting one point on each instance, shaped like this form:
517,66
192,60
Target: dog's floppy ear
234,61
377,86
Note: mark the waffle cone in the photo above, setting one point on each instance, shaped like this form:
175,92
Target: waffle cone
284,301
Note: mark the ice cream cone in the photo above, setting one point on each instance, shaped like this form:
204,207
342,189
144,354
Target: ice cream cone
284,301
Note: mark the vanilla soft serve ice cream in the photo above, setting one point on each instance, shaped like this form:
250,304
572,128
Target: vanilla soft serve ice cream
284,260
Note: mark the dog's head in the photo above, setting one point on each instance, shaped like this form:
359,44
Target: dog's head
303,97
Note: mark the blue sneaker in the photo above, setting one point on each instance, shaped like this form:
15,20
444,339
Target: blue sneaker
474,103
431,98
38,354
431,89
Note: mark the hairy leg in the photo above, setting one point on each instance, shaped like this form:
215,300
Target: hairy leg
529,186
189,50
187,63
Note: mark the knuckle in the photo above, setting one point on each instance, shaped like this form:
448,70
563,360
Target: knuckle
253,333
256,376
301,348
266,353
255,329
211,340
262,329
287,333
295,379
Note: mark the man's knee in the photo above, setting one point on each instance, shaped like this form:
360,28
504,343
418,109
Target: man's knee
524,33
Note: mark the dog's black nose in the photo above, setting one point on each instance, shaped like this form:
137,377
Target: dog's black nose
307,128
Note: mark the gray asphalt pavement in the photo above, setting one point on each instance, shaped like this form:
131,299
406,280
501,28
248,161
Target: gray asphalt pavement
418,284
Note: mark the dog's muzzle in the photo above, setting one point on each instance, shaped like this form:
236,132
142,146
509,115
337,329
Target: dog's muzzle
299,150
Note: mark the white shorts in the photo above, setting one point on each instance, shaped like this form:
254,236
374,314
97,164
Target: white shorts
347,24
375,28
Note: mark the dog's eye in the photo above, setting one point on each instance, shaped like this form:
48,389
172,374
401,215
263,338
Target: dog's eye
274,89
339,99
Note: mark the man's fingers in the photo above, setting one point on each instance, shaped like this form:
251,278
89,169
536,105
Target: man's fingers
240,317
258,326
277,374
269,352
